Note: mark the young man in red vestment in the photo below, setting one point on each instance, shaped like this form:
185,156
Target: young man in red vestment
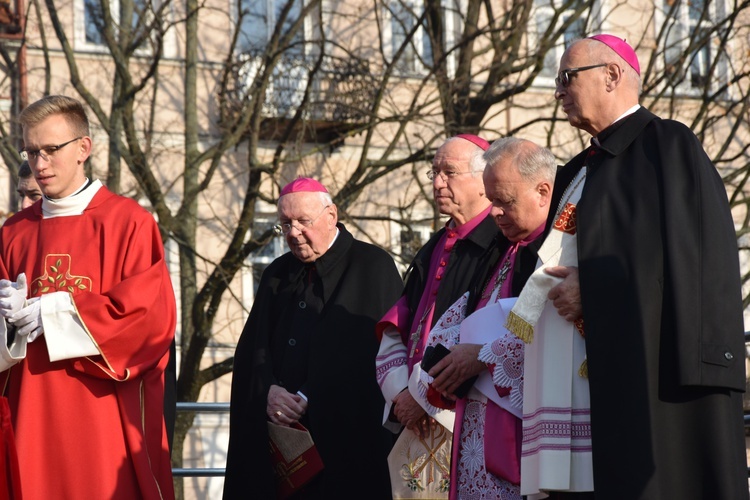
89,318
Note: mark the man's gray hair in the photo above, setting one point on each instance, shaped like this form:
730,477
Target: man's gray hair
476,159
533,162
477,163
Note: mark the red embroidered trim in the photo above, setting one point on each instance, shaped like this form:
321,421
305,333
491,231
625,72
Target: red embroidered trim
566,222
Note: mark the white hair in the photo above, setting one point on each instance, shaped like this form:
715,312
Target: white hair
533,161
477,164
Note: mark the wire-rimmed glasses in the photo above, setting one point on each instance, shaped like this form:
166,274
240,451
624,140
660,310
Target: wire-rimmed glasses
286,227
446,175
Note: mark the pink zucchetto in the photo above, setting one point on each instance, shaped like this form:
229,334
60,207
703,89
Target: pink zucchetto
622,49
303,185
475,139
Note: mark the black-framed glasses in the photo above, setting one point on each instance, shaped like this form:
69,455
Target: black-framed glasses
47,151
564,76
286,227
446,175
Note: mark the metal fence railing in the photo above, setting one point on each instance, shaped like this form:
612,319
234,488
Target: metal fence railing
198,471
224,407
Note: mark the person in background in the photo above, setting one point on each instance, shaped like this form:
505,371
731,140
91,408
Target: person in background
27,188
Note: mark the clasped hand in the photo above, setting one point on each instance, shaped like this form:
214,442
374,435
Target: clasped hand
283,407
409,412
566,296
460,365
28,320
12,296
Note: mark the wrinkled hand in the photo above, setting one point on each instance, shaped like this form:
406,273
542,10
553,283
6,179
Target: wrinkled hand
12,295
409,412
460,365
424,426
566,297
28,321
283,407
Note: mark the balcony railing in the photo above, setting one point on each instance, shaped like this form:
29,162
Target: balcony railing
341,90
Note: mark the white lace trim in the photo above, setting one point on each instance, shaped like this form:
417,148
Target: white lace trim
446,331
506,354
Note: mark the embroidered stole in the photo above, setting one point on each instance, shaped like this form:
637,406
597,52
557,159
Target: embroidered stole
556,449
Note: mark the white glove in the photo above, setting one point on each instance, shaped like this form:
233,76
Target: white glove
28,321
12,295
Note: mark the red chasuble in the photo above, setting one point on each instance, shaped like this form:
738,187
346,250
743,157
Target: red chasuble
93,427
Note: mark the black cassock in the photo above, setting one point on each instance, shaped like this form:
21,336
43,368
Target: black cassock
662,310
312,329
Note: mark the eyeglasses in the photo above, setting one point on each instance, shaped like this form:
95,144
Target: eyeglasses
564,76
286,227
446,175
47,151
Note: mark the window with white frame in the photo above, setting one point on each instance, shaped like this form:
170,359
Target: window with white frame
89,23
92,19
544,13
405,30
690,43
408,37
453,21
257,20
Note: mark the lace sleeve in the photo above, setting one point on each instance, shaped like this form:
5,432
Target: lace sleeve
446,331
505,355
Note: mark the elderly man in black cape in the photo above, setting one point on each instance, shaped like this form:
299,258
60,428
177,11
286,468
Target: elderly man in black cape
306,356
439,274
659,290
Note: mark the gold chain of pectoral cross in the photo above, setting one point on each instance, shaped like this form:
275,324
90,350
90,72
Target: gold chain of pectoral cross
568,193
417,334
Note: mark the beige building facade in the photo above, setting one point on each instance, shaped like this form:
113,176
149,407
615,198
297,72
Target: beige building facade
358,94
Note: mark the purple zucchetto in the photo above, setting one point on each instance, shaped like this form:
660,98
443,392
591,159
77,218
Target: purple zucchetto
475,139
622,48
303,185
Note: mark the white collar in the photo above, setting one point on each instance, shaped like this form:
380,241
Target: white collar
628,112
74,204
335,237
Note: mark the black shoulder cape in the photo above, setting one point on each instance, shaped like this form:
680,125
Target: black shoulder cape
662,310
360,282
